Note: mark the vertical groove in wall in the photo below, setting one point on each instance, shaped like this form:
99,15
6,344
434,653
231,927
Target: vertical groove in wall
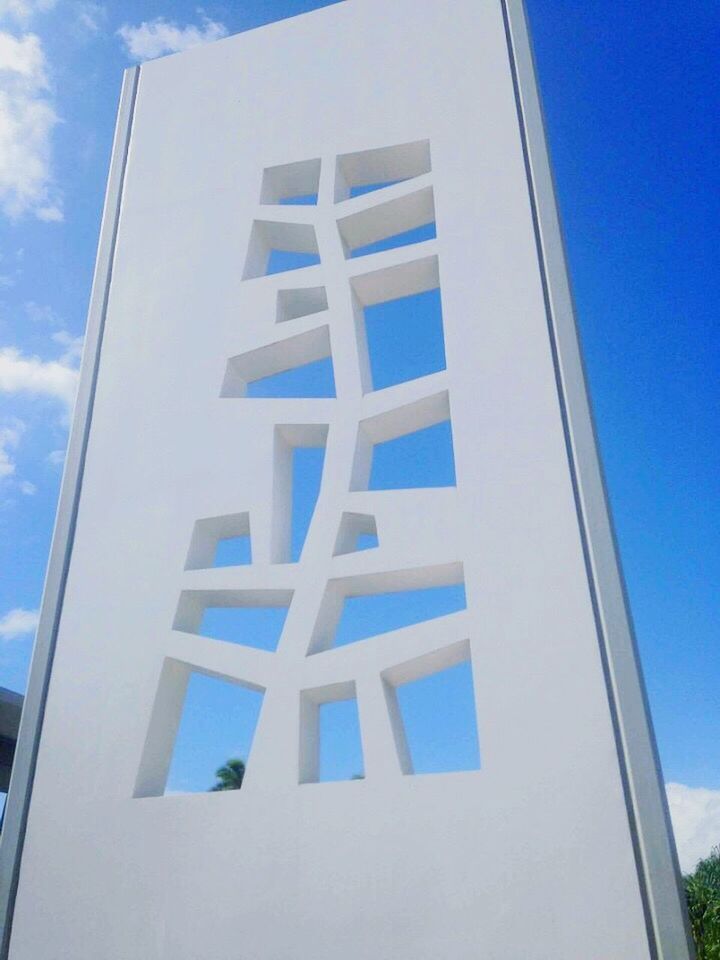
20,791
648,816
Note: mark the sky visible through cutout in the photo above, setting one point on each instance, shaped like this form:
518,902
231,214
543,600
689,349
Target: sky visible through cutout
313,379
424,458
366,616
405,338
438,714
281,260
340,745
258,627
233,551
404,239
420,459
217,723
307,475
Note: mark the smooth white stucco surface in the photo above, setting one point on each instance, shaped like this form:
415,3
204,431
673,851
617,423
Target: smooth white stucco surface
529,857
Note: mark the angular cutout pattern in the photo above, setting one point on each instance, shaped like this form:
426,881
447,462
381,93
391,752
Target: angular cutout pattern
300,302
277,246
314,379
404,220
291,183
358,531
218,723
434,714
423,458
406,447
405,338
253,373
374,169
299,453
199,721
229,623
251,618
330,742
358,607
220,542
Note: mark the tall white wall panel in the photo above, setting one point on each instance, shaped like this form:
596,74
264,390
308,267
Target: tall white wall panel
546,850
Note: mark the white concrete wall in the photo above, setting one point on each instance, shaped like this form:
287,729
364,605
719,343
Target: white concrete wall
529,857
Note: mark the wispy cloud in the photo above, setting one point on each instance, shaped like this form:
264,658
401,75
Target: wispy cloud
90,16
27,119
695,813
9,438
154,38
21,374
23,10
72,347
18,623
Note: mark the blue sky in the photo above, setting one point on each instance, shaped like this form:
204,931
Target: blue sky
631,101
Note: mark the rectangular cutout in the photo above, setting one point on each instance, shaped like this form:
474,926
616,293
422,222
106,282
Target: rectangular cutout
220,542
361,606
373,614
307,472
395,223
296,366
300,302
217,724
330,741
315,379
357,531
380,166
422,458
291,183
297,478
405,338
276,247
435,717
252,618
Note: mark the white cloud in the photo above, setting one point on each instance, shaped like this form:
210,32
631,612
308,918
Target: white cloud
18,623
27,489
90,16
56,457
695,814
27,119
23,10
38,378
9,439
39,313
73,346
153,38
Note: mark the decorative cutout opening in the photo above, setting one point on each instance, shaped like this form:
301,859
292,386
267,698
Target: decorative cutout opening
252,618
298,366
399,324
406,447
405,338
300,302
200,721
432,707
423,458
373,169
367,605
276,247
314,379
291,183
220,542
396,223
330,742
358,531
297,478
